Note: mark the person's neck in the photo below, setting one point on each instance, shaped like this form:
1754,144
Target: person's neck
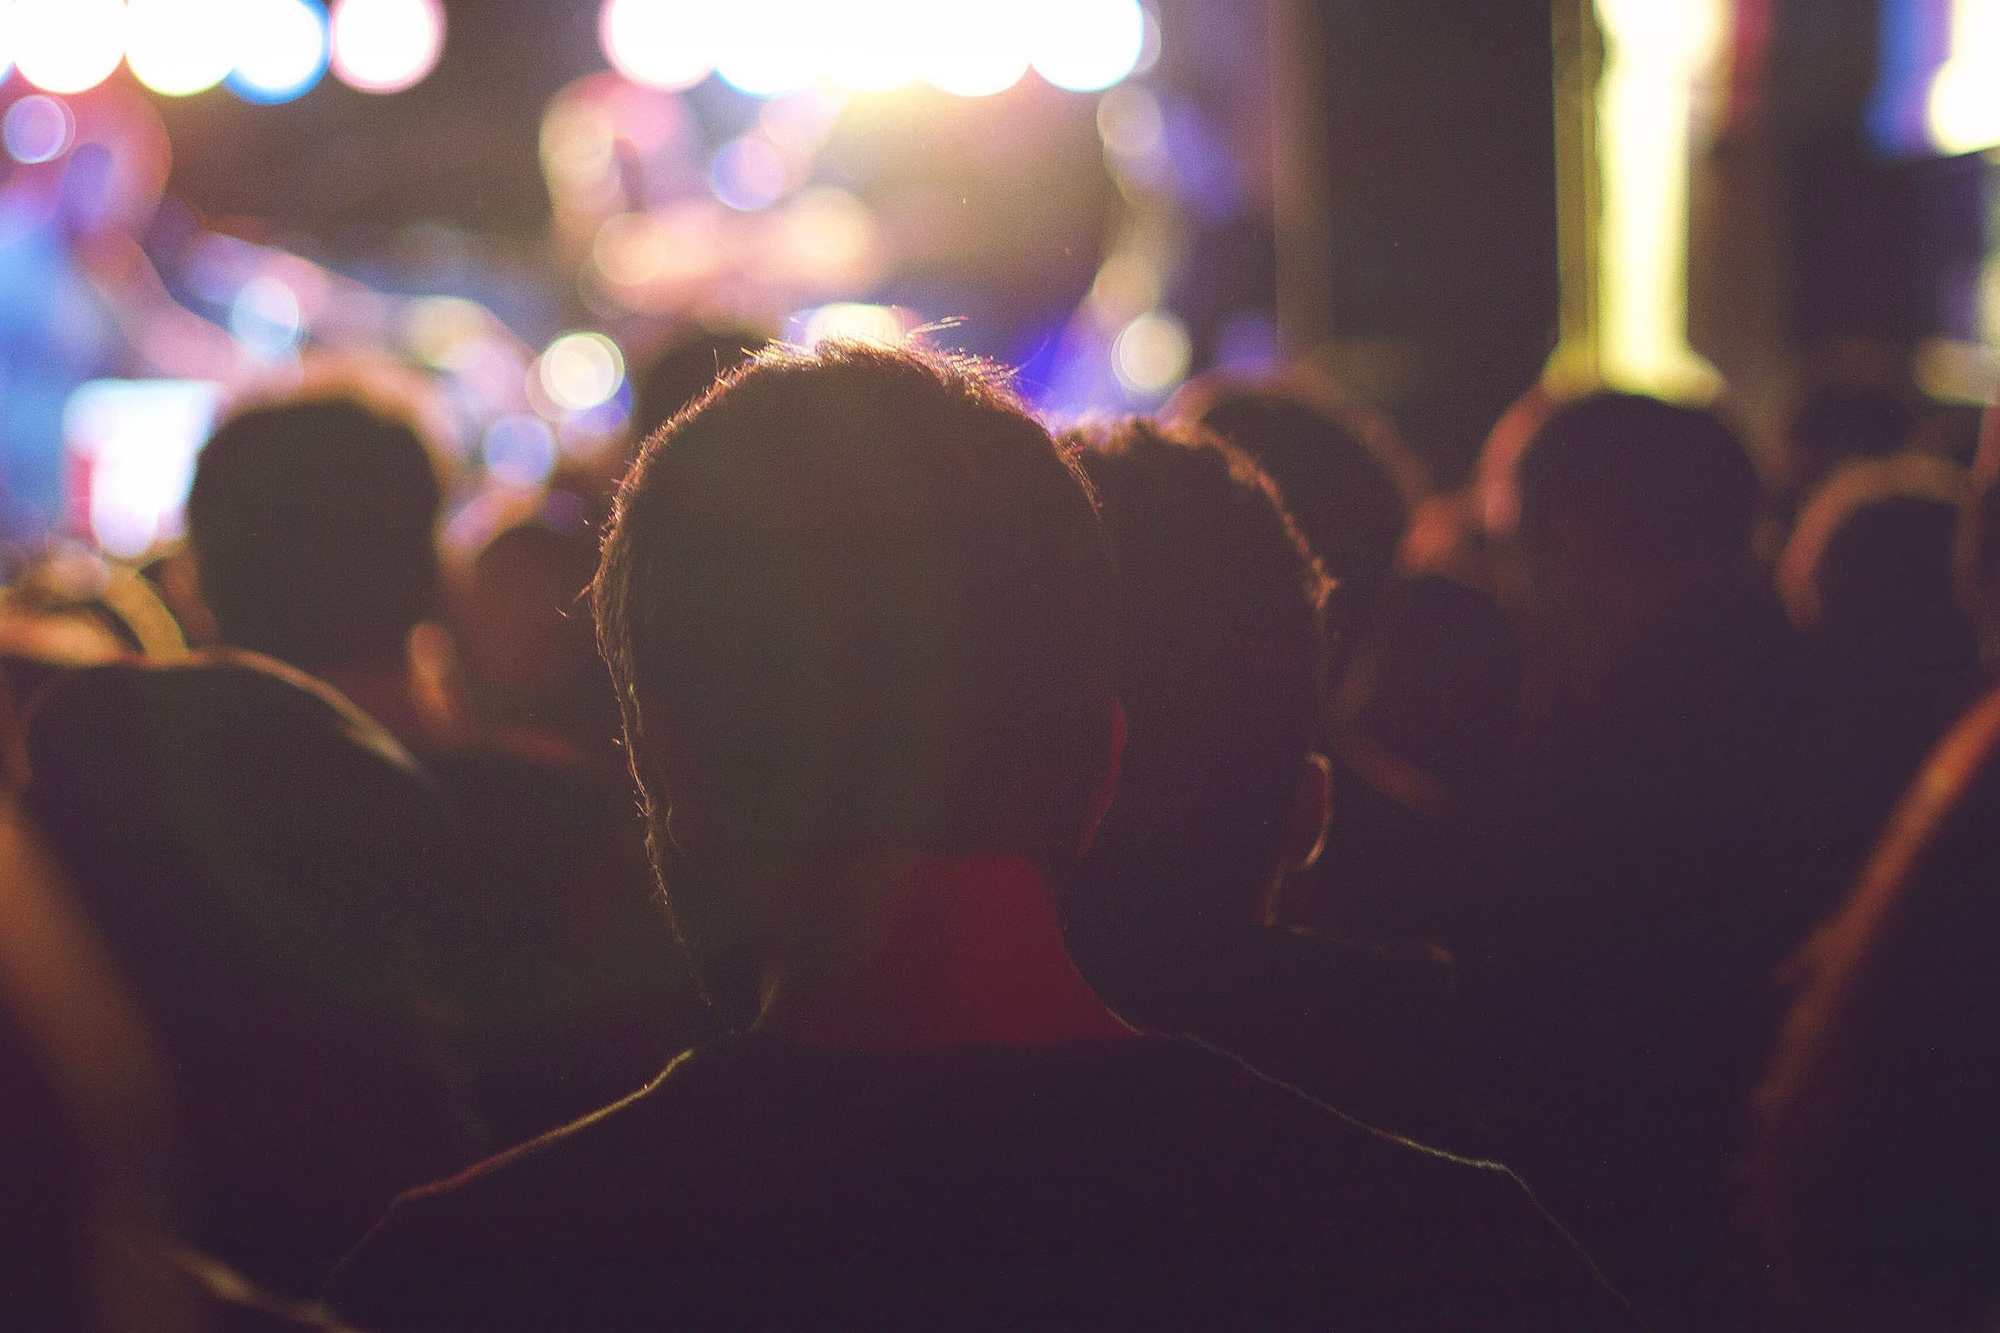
961,951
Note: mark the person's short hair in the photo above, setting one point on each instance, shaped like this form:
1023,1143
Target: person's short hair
875,605
1648,482
1344,479
1871,553
1221,650
313,524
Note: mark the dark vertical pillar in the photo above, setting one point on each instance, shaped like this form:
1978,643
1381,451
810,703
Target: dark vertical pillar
1435,123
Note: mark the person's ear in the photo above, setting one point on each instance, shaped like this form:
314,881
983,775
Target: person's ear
1107,784
1311,811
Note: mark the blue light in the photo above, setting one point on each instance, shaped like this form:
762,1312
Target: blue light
285,47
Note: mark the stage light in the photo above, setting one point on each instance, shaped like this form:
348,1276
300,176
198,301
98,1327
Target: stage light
67,46
854,321
1657,54
1086,45
876,45
977,48
772,47
747,174
180,47
385,46
519,450
1965,97
580,371
660,43
281,50
1151,354
38,129
138,439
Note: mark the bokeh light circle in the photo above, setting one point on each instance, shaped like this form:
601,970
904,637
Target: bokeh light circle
385,46
658,43
1088,45
772,47
1151,354
580,371
180,47
976,47
66,46
281,49
38,128
748,174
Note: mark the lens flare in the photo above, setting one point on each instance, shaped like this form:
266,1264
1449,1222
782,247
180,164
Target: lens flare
66,46
281,50
385,46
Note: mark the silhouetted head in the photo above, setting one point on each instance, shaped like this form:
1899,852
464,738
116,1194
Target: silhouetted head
1629,510
1874,1164
855,604
1344,481
1841,421
313,525
1220,662
1869,565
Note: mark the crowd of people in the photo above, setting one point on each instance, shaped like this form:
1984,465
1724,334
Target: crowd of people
1182,871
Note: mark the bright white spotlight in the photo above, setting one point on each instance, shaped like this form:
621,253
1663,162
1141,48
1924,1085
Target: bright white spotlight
772,47
385,46
67,46
1151,354
580,371
976,47
281,49
1085,45
177,47
876,45
854,321
1965,97
660,43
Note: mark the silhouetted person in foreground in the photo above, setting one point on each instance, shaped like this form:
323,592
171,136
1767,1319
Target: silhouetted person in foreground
860,614
1619,982
1221,794
1874,1166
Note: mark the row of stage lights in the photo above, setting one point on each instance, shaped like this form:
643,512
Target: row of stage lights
973,48
262,50
276,50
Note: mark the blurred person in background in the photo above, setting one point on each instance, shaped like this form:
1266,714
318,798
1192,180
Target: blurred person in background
313,524
1873,1165
1616,978
861,616
1868,579
1221,796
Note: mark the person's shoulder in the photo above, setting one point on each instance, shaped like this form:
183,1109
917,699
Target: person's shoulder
1415,1222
